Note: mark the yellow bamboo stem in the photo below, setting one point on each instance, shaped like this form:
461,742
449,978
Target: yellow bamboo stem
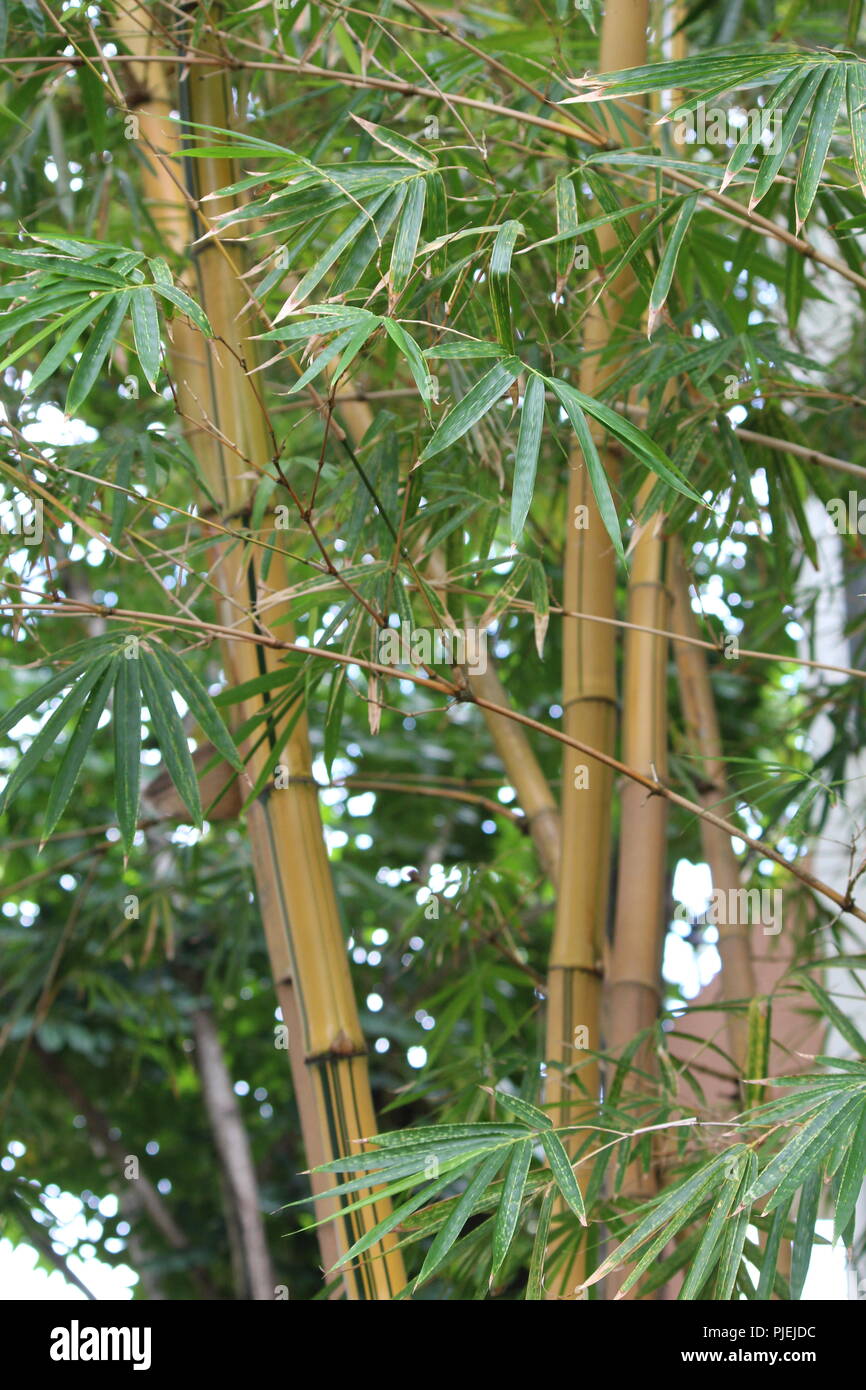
228,431
589,701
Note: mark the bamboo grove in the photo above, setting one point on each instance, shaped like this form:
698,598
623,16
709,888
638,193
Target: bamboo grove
432,621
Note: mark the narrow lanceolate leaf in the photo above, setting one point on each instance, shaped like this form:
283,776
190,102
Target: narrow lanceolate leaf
567,220
414,359
853,1176
709,1249
594,466
831,1011
675,1200
432,1135
183,302
54,684
394,1218
406,238
526,458
397,144
50,731
636,440
145,327
61,349
734,1238
750,138
667,264
127,742
563,1173
821,123
806,1151
201,706
500,281
540,604
170,735
772,162
473,407
771,1247
459,1216
529,1114
96,349
804,1232
509,1204
535,1282
76,749
857,118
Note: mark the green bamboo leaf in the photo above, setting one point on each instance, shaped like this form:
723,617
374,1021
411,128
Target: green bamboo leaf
821,123
660,1240
93,94
76,749
201,706
437,221
535,1282
747,144
397,144
710,1248
563,1173
431,1135
851,1182
529,1114
856,90
459,1216
540,604
64,344
368,244
772,163
734,1238
664,1210
594,466
406,238
636,440
484,394
500,281
285,675
414,357
182,301
509,1204
526,458
788,1169
833,1014
567,224
127,742
469,351
51,729
804,1232
84,654
97,348
334,716
170,734
349,343
771,1245
667,264
394,1218
145,327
